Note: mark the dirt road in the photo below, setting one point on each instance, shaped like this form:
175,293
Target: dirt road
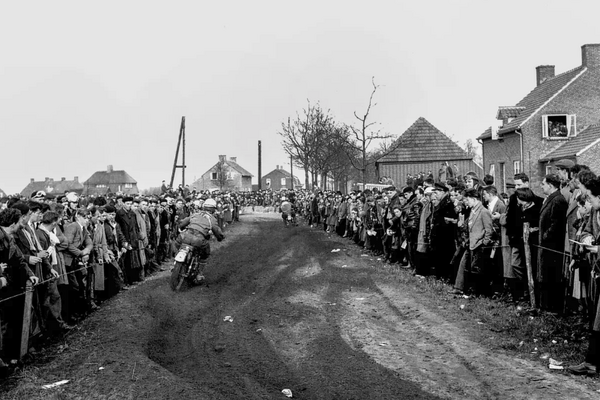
326,325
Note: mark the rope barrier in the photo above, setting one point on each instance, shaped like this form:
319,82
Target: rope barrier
42,282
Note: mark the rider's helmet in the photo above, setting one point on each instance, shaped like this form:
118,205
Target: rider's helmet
209,205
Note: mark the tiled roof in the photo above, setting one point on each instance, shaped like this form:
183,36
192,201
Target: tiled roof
505,112
540,95
238,168
52,186
574,146
109,178
486,134
424,142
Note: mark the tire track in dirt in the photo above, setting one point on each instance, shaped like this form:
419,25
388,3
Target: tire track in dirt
285,332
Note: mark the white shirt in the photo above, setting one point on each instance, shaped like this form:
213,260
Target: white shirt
492,203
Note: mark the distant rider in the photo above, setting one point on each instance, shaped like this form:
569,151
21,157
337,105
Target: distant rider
287,210
198,229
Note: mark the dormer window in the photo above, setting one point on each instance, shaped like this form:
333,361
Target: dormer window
559,126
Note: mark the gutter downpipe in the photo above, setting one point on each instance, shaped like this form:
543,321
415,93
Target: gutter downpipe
480,141
518,132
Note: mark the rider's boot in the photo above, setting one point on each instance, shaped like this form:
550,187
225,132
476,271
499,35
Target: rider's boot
199,276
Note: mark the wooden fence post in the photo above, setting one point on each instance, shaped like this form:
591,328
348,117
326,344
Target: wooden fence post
26,320
530,280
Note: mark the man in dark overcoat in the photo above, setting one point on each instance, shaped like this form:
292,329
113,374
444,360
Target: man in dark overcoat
552,241
443,232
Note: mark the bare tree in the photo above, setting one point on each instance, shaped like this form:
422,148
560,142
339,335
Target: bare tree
301,137
473,151
363,135
223,174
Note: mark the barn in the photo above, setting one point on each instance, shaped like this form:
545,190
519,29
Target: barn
423,148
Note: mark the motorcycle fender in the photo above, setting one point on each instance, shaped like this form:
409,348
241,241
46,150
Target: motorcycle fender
181,255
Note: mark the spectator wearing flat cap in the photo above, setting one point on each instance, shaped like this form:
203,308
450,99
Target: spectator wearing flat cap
473,271
501,250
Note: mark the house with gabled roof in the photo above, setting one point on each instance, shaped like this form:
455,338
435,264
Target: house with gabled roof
226,174
279,179
423,148
52,187
553,121
108,181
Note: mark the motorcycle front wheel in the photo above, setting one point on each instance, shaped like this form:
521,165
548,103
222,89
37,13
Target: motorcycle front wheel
177,276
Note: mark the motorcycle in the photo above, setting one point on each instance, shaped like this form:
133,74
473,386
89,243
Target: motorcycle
186,267
289,219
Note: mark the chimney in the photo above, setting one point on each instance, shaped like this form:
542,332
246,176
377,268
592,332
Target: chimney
109,169
46,179
31,180
590,55
277,166
221,158
543,73
76,179
234,159
62,179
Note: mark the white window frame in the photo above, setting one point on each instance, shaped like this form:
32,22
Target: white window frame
283,182
516,167
268,181
548,169
571,126
492,171
128,185
214,176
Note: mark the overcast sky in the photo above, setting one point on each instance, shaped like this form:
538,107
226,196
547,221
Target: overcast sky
88,84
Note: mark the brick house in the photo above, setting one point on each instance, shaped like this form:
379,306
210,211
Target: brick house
110,181
422,148
555,120
279,179
52,187
226,174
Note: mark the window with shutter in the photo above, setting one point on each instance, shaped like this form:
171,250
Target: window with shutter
558,126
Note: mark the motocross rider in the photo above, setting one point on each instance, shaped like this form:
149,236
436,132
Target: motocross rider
198,229
287,209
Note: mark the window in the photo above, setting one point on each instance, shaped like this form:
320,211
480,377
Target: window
214,176
517,167
229,175
128,185
548,169
559,126
100,186
268,182
282,181
493,171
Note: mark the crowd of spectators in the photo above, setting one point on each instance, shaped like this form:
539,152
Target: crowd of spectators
482,242
76,252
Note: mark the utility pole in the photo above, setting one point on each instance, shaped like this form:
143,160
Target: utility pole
259,166
182,166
